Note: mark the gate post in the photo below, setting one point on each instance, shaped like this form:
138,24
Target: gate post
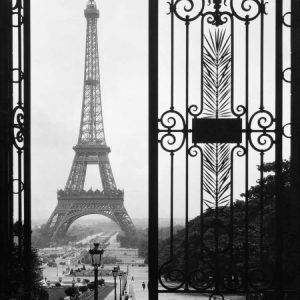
295,128
153,150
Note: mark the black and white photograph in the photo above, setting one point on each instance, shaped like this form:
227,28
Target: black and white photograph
150,150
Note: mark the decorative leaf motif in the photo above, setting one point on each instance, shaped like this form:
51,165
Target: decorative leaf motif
216,104
216,174
216,65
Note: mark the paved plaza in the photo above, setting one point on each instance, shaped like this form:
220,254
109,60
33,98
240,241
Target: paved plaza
137,275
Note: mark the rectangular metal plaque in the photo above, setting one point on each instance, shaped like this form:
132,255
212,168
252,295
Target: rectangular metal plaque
217,131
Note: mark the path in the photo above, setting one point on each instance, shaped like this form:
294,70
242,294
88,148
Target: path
140,275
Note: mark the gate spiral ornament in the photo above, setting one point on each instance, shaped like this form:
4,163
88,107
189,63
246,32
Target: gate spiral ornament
202,278
173,125
170,277
261,138
18,140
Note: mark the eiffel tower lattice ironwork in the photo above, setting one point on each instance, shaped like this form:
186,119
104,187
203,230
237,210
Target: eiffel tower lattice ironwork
74,202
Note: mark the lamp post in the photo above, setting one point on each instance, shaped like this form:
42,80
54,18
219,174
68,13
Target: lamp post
115,274
96,256
120,277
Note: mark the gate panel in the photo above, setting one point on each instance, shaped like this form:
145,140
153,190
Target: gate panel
220,151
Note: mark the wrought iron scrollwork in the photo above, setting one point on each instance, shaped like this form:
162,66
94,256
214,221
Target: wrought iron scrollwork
173,136
194,110
170,277
285,129
18,183
284,76
202,278
214,296
286,22
260,278
19,75
194,150
261,138
188,9
247,10
18,140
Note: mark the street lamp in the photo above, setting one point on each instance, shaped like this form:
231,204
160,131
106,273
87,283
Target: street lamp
96,256
115,274
120,277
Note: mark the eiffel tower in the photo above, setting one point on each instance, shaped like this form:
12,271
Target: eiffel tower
74,202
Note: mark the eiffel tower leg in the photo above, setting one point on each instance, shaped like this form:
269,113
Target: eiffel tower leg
106,174
77,174
124,220
54,222
62,230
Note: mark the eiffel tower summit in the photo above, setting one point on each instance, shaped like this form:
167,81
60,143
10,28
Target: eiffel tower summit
74,202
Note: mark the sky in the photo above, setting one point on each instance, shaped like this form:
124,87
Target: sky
58,46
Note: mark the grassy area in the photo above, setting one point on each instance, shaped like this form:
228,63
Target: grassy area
105,291
57,292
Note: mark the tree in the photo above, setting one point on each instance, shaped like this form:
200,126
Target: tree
261,259
18,272
71,291
40,237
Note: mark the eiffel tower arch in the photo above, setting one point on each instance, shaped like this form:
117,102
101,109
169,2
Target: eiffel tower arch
73,201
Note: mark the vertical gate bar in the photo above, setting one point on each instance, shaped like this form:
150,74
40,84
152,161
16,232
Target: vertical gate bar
171,205
295,128
172,54
6,162
262,60
232,150
172,153
27,149
261,208
278,152
153,149
187,23
247,157
261,196
20,152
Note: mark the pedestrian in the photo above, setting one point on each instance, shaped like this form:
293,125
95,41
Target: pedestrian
143,285
126,296
132,278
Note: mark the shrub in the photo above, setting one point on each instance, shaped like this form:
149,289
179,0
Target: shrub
43,295
91,285
83,288
71,291
101,282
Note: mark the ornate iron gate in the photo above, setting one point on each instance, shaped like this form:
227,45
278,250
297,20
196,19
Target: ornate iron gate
15,219
220,116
